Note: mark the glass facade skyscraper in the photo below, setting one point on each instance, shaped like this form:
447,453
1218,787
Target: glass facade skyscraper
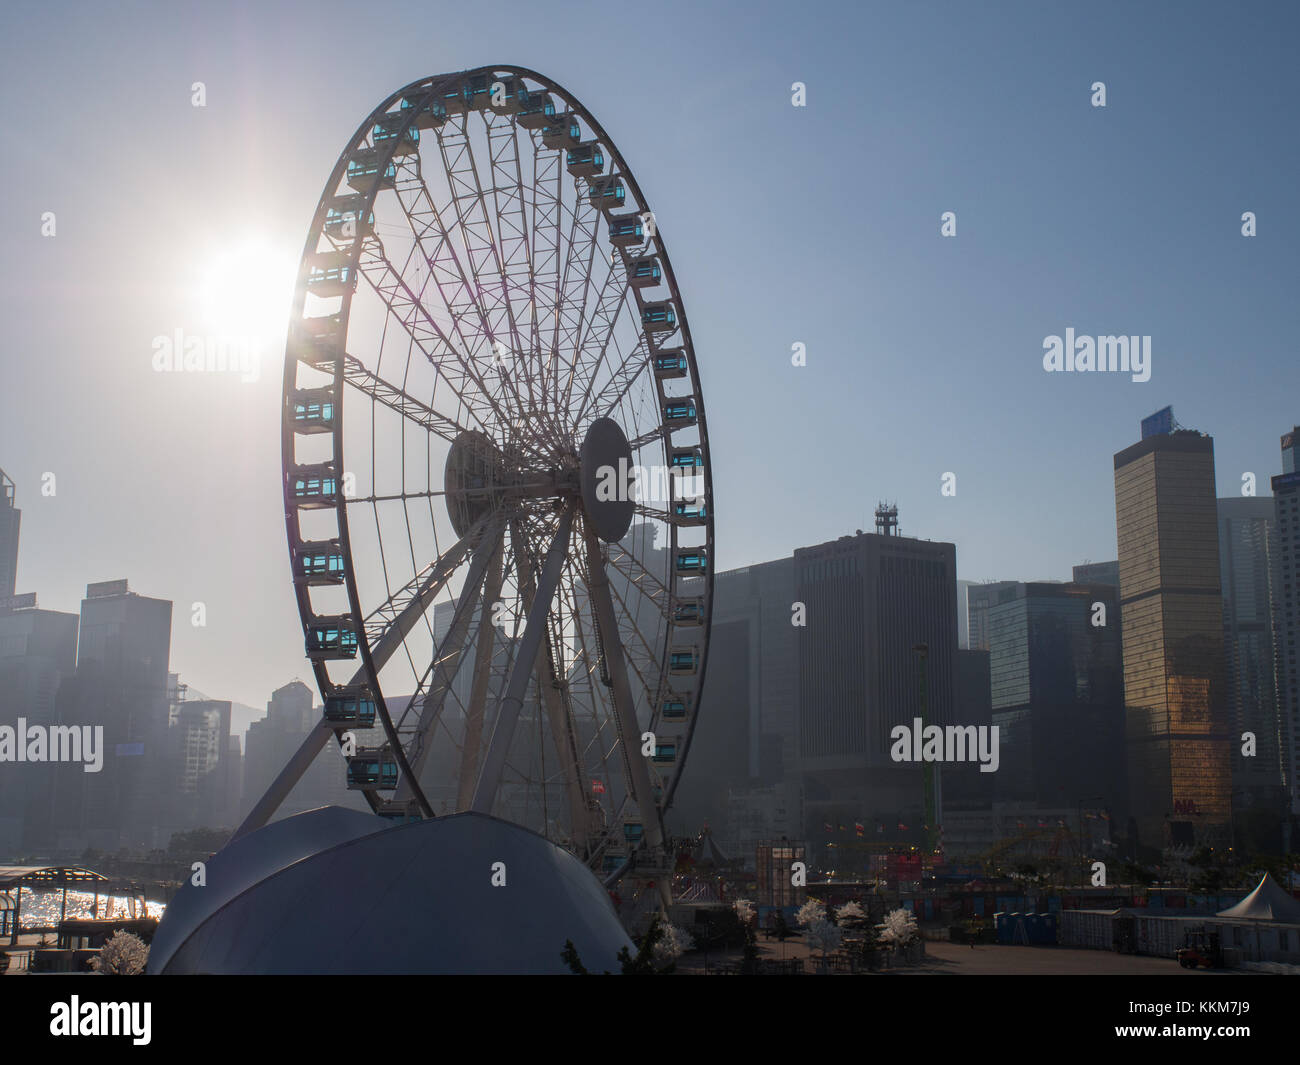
1286,612
1177,728
1057,695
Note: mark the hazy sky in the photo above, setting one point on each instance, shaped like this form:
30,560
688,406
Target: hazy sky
818,225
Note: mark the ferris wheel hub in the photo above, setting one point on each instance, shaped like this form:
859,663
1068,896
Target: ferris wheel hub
606,450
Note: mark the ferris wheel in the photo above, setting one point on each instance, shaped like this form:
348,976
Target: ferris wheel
497,485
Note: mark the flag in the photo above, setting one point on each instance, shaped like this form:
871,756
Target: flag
858,827
598,787
827,825
902,827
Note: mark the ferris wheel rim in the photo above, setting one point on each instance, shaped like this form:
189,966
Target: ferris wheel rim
426,86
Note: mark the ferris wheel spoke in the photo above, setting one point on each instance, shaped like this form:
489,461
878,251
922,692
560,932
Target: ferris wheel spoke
512,699
406,308
447,272
389,623
389,395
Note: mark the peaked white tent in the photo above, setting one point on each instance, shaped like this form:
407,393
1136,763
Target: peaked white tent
1268,902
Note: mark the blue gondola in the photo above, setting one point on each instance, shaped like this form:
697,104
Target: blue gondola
674,709
314,487
584,160
313,410
388,130
365,171
692,561
346,218
680,411
683,663
331,638
430,112
536,110
689,612
316,342
686,458
671,364
331,274
633,831
690,513
665,754
319,562
372,769
625,230
563,131
350,708
607,193
658,317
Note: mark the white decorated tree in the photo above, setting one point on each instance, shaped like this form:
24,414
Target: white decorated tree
851,914
745,910
810,913
899,928
123,955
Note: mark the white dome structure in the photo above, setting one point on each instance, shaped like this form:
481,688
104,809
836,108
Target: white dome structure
335,891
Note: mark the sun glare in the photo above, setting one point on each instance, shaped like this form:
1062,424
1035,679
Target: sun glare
246,290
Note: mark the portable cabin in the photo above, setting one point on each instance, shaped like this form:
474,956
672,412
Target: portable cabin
317,342
367,171
688,612
346,217
680,412
684,662
687,458
692,561
675,707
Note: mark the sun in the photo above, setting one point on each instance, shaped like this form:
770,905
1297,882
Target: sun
246,290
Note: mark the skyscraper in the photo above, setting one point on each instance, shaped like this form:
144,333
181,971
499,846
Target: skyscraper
1247,546
1176,720
10,518
1286,504
978,599
870,600
1055,673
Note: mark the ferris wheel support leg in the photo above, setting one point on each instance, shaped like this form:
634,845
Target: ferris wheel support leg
629,732
478,692
448,658
562,732
313,743
512,701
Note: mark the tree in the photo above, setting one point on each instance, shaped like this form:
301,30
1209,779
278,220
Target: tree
827,936
899,928
781,926
123,955
810,913
851,914
643,964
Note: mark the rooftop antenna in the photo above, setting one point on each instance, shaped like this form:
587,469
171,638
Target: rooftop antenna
887,519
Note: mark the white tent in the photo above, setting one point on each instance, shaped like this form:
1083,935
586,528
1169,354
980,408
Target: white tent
1268,902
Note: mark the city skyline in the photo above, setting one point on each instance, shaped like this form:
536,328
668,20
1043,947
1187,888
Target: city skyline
1099,220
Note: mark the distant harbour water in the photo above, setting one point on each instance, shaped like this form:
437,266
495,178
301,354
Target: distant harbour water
41,909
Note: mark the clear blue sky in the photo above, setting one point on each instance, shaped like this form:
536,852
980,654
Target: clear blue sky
818,225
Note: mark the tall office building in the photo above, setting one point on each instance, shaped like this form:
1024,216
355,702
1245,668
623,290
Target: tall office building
1177,725
1286,504
1055,673
871,599
10,519
978,599
743,776
121,683
1097,573
38,651
1247,550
